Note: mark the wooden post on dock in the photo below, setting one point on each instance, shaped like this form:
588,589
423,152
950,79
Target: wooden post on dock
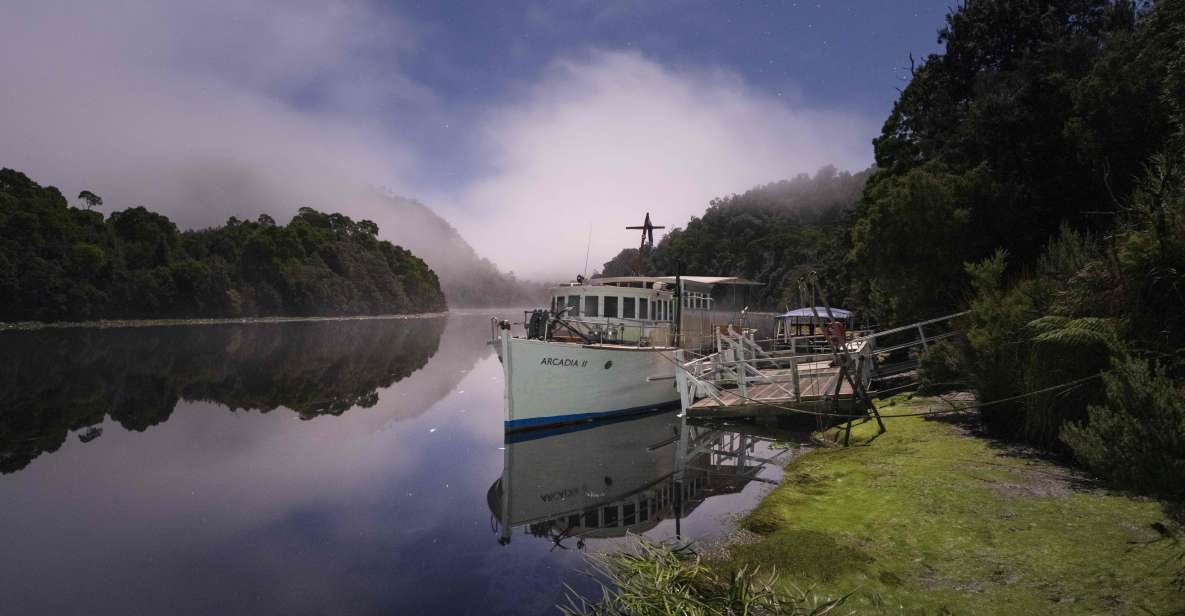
794,370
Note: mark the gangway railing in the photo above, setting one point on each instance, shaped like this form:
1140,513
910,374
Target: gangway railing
740,362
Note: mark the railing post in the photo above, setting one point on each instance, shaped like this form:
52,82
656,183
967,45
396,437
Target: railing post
742,369
797,385
681,383
922,335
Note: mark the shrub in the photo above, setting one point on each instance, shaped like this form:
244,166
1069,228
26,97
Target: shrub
940,367
1136,439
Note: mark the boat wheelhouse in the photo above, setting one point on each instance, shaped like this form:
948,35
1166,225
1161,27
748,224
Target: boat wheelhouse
652,311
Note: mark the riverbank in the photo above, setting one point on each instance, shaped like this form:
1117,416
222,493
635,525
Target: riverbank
930,518
36,325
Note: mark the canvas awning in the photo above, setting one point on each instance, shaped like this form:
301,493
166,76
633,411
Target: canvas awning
806,313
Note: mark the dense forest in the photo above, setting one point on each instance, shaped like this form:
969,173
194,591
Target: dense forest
59,262
1033,173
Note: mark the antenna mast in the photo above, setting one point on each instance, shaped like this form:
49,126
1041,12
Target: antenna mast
647,241
587,250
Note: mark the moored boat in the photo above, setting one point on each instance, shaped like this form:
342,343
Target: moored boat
605,347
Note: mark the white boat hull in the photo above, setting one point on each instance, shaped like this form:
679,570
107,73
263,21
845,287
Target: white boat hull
554,383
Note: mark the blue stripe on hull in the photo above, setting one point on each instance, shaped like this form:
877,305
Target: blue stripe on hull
560,420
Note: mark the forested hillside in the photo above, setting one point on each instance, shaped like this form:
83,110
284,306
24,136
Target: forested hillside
772,234
1038,114
468,280
59,262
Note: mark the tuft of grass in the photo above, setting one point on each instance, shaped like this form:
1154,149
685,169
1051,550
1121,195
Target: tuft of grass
803,555
664,579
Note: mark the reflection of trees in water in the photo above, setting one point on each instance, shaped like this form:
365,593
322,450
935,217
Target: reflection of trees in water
57,381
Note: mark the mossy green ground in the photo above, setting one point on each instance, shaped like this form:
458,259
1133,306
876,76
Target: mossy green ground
929,519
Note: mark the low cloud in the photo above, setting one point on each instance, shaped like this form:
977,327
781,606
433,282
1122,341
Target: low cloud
188,109
221,108
607,137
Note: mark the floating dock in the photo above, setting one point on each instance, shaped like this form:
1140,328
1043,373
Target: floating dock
805,375
743,379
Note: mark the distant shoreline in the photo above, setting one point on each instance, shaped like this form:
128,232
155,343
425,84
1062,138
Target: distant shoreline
119,323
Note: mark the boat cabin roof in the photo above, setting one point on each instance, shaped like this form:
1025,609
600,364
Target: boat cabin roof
839,313
690,283
708,280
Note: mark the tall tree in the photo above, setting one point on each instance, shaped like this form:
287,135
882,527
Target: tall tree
91,199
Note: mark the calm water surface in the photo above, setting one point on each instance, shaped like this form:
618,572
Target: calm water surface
343,467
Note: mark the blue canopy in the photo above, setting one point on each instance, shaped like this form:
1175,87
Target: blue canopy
839,313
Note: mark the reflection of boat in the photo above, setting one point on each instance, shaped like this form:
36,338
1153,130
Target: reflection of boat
607,479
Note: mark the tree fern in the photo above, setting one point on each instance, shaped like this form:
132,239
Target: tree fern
1076,333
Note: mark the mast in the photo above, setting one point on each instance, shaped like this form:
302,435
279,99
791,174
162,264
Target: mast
647,242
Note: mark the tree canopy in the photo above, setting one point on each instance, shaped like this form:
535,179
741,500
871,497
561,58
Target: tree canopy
63,263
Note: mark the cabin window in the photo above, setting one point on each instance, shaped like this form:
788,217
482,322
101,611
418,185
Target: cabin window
643,308
611,307
628,515
609,516
627,307
591,309
574,303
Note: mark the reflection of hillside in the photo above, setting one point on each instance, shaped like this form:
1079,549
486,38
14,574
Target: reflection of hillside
55,381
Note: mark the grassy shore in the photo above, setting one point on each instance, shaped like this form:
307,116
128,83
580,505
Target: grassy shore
928,518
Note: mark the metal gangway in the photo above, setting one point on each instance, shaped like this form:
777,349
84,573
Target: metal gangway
746,377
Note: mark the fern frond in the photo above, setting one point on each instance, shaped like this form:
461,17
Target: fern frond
1086,331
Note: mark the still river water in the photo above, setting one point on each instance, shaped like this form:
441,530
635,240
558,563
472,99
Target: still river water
336,467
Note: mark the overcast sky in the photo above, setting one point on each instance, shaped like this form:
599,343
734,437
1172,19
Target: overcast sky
525,124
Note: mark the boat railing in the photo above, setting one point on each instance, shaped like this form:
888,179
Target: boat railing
625,332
